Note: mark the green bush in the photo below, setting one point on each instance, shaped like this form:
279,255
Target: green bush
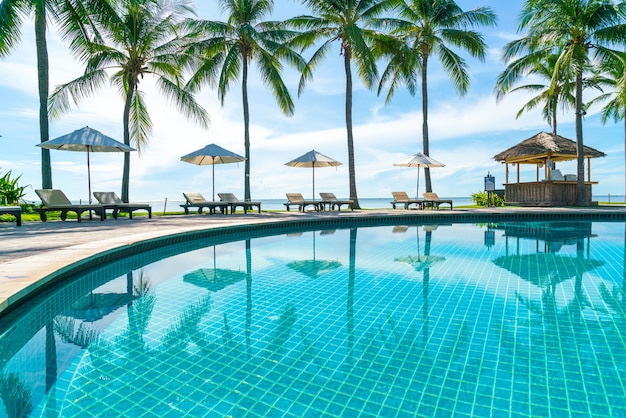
482,199
10,192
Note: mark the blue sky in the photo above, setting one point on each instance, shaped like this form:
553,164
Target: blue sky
465,132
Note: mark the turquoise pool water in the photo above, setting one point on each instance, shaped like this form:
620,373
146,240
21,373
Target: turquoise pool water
507,319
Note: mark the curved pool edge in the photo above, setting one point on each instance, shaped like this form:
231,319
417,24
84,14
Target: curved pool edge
23,278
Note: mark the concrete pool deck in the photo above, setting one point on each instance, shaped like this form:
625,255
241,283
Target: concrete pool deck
33,252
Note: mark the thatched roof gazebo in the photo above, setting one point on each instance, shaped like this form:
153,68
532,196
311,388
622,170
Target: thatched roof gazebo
544,150
543,146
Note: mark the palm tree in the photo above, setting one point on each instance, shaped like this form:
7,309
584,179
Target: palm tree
577,31
615,80
133,38
428,28
554,93
351,23
12,13
227,50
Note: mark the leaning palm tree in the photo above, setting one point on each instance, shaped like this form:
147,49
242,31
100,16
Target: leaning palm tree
228,49
615,80
578,32
352,23
552,94
12,14
427,28
129,40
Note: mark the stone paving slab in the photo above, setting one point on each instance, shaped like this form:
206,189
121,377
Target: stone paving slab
30,253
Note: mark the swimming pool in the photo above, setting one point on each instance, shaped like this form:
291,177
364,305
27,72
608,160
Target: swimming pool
506,318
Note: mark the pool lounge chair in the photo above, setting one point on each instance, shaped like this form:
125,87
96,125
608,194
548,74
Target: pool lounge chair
331,200
54,200
296,199
109,200
196,200
13,210
402,198
234,203
433,200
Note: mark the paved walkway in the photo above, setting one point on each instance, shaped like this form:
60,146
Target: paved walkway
31,253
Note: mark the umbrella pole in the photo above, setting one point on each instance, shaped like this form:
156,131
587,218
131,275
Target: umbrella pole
417,189
89,178
213,178
313,181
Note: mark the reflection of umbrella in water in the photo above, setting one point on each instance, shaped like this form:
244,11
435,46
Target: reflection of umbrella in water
546,269
314,268
95,306
214,279
86,140
420,262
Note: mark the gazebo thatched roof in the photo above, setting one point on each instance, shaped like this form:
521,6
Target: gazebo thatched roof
542,146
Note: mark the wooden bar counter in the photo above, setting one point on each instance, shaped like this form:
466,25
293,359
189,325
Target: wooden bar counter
545,193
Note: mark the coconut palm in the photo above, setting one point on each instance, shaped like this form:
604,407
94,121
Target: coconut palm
428,28
352,24
578,32
228,49
12,14
615,80
132,39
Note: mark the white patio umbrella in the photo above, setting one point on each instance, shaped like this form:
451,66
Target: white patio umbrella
313,159
86,140
419,160
212,154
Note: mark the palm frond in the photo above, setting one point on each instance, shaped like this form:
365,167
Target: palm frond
231,69
140,124
75,92
11,12
184,101
270,69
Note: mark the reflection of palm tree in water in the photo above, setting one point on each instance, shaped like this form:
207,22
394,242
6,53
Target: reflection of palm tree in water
350,300
16,396
561,341
248,295
282,332
615,299
422,264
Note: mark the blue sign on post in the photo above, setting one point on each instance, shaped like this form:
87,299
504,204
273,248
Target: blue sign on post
490,183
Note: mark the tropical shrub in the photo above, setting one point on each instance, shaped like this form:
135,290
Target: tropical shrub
482,199
10,191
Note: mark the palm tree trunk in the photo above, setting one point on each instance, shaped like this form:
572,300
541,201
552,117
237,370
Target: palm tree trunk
425,142
43,79
126,174
246,129
581,198
351,171
625,152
